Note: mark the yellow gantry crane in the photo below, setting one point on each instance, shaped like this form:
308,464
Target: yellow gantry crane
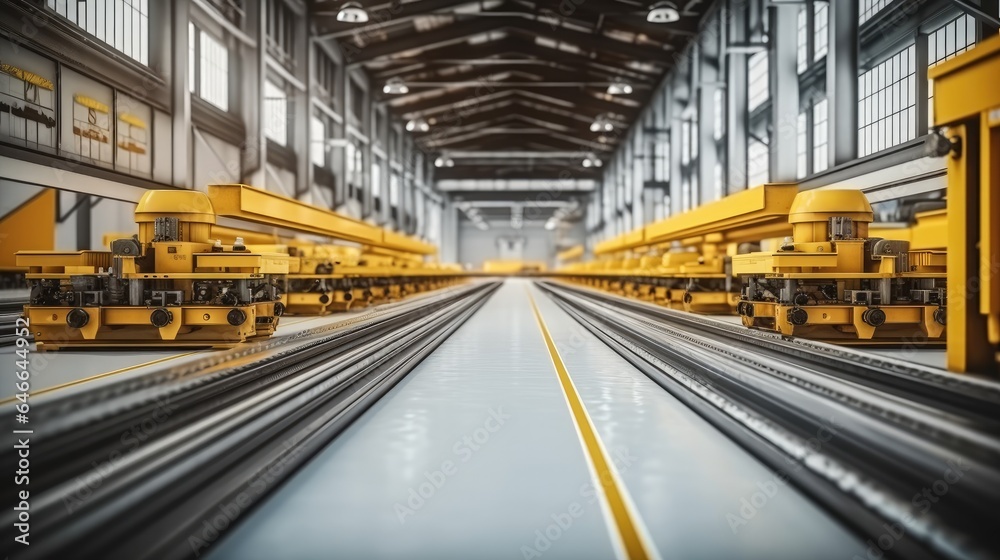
967,105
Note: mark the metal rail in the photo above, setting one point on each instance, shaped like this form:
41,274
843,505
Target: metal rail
222,426
10,310
775,399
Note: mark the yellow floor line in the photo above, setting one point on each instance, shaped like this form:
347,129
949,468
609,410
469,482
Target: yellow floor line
635,546
101,375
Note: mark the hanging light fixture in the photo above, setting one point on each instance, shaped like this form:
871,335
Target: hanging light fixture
444,161
395,86
663,12
592,161
352,12
619,87
418,125
602,124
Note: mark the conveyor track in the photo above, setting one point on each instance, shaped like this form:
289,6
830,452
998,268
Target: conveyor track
223,427
773,396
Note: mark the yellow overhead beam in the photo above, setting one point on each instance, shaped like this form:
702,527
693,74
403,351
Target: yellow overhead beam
244,202
748,215
623,242
574,252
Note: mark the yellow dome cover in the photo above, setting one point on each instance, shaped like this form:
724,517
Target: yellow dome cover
820,205
188,206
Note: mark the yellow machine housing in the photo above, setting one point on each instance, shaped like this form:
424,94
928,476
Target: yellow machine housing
832,280
683,262
169,285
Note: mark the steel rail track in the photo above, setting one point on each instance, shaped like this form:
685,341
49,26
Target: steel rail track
231,428
866,473
969,397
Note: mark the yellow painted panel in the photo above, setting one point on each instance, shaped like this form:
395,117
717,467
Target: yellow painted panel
30,226
960,89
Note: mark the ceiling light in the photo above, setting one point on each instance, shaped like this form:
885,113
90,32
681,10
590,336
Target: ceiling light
418,125
663,12
602,123
619,87
444,161
352,12
551,223
395,86
592,161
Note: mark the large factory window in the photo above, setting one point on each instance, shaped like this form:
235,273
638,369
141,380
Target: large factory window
821,25
802,47
949,40
719,106
122,24
802,146
281,32
275,113
317,144
820,136
758,164
208,67
326,76
757,87
869,8
886,110
214,65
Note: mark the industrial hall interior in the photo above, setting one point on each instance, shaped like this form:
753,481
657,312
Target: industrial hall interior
500,279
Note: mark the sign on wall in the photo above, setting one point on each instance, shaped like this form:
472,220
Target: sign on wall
27,99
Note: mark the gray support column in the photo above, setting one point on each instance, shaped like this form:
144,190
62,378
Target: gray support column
303,111
920,57
842,82
674,110
180,94
449,232
253,70
83,222
708,78
784,86
736,98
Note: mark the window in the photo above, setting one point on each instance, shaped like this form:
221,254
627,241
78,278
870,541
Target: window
869,8
820,136
357,101
377,178
394,190
208,67
758,162
719,102
326,73
121,24
214,65
951,39
803,41
694,139
281,32
275,113
887,108
821,25
757,87
801,145
354,158
317,144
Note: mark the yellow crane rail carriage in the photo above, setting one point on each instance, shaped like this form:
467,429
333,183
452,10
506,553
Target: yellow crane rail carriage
169,285
831,280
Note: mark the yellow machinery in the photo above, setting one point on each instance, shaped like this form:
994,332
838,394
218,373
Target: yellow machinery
324,277
499,266
967,104
832,280
684,261
170,284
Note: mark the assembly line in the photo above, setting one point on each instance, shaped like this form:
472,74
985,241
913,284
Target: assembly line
445,279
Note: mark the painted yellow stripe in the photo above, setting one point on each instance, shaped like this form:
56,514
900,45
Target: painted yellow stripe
102,375
635,547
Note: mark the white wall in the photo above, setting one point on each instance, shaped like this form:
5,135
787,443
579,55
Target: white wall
476,246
